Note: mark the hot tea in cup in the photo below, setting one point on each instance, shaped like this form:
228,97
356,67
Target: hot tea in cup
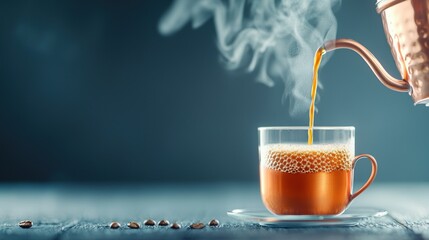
298,178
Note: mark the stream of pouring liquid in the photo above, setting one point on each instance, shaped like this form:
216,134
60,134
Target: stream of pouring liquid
317,60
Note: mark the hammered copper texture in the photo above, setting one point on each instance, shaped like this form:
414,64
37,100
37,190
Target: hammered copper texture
406,27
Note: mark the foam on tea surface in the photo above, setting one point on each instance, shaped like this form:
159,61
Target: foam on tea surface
302,158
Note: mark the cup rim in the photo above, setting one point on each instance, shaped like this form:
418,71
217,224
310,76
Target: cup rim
306,128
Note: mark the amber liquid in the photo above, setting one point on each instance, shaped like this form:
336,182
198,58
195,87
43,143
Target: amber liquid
305,180
317,60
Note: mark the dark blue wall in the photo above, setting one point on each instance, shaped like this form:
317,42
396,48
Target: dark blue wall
89,91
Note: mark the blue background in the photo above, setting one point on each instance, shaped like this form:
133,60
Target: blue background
89,91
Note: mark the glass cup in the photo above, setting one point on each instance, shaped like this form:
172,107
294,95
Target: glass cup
301,179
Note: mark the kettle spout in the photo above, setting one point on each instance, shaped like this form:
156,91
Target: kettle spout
385,78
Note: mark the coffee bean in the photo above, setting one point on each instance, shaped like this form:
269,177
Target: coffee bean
133,225
197,225
25,224
149,222
176,226
115,225
164,223
214,223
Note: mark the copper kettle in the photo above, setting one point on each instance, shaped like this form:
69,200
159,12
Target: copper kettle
406,25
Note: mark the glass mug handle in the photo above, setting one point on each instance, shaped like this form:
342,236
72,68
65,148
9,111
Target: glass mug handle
371,177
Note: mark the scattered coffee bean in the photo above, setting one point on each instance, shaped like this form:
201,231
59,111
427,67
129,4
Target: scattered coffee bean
214,223
25,224
197,225
149,222
115,225
133,225
164,223
176,226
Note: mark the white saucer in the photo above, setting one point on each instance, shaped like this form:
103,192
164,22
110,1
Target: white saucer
350,217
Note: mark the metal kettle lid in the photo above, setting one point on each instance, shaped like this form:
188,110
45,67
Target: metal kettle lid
383,4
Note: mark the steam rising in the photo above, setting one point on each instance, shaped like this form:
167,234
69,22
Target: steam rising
276,39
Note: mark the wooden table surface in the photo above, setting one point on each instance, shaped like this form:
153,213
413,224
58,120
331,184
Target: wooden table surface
83,212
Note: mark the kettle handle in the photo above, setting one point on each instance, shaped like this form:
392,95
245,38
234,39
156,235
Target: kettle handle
373,63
